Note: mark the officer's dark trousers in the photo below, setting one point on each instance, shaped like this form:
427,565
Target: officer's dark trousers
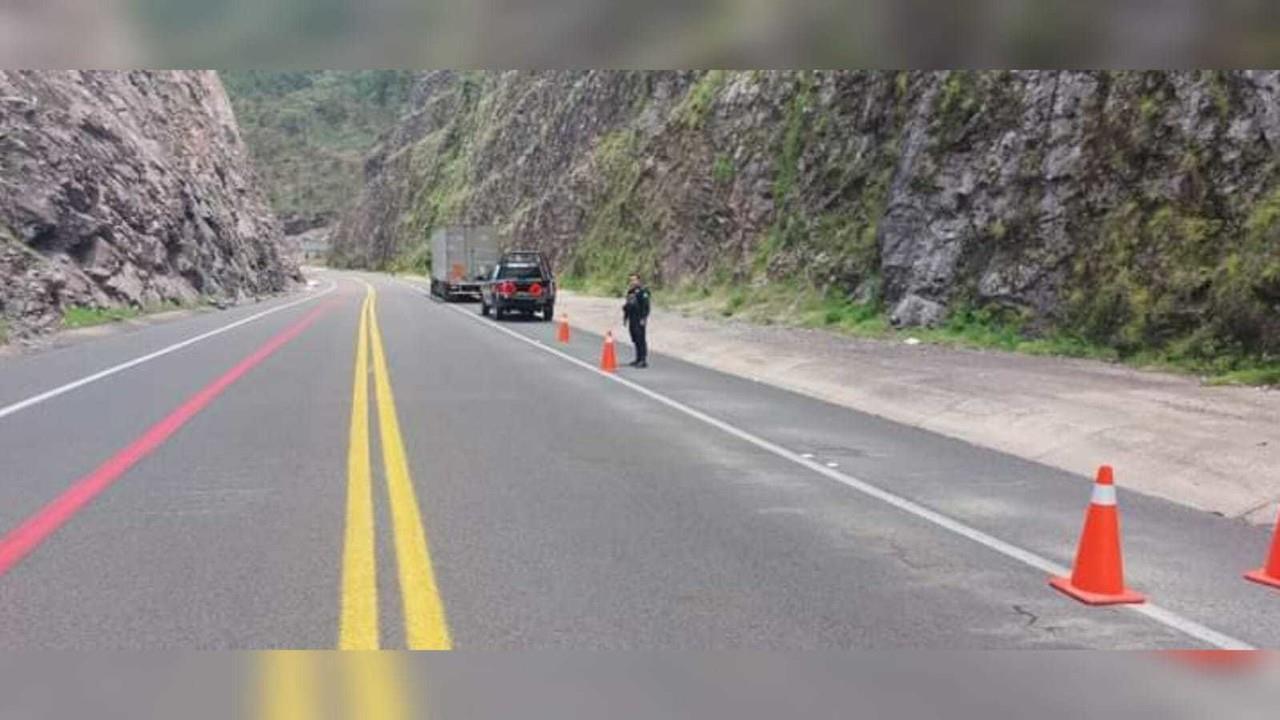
639,340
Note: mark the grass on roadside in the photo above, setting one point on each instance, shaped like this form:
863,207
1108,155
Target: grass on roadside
781,303
82,316
598,285
79,316
778,304
1260,375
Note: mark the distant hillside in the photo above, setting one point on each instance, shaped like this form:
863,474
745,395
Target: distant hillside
308,133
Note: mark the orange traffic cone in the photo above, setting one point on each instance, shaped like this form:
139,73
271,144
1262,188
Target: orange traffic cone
1220,661
1098,577
1269,575
609,357
563,334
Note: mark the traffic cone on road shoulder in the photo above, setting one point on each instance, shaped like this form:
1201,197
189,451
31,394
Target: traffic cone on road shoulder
609,356
1269,574
563,333
1098,576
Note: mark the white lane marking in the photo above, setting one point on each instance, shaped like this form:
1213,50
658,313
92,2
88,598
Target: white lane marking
833,465
74,385
1164,616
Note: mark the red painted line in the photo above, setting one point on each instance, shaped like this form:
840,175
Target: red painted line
20,541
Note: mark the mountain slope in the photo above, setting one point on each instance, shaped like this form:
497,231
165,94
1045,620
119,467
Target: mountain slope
126,189
1131,210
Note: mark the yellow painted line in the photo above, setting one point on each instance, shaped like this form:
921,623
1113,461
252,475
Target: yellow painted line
376,686
288,688
424,620
359,622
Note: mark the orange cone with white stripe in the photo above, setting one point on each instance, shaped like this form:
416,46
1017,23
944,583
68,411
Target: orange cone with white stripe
563,333
1270,574
609,356
1098,577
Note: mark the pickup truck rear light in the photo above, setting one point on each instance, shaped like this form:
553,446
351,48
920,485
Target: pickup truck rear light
535,289
507,288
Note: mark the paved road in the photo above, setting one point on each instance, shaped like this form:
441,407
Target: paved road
363,466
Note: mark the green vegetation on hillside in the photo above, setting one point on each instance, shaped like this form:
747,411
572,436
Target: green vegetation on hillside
693,110
309,132
619,236
83,316
440,160
416,260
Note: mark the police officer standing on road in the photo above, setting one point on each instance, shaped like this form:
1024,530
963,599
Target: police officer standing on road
635,315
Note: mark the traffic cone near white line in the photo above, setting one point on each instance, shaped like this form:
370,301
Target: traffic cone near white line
609,356
1098,577
563,333
1270,574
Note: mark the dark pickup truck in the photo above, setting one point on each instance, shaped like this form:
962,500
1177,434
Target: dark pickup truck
521,282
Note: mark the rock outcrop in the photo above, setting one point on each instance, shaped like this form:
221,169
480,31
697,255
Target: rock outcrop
126,189
1137,210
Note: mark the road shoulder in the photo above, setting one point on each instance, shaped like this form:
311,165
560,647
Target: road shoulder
76,336
1211,448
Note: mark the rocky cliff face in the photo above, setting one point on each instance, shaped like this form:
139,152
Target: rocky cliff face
126,189
1137,210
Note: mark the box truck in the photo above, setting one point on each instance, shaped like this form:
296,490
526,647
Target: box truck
462,258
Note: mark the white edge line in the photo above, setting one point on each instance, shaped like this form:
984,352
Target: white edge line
1159,614
102,374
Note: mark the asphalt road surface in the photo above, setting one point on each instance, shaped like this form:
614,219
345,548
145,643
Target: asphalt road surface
362,466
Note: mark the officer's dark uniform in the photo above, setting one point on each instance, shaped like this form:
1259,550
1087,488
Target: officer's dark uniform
635,314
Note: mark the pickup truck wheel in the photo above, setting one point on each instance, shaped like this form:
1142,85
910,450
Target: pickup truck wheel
548,313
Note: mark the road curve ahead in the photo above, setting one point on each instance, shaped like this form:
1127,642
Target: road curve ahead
361,466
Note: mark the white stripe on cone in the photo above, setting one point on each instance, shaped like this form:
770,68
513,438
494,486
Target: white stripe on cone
1104,494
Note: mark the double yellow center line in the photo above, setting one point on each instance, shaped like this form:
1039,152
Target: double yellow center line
304,685
424,620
